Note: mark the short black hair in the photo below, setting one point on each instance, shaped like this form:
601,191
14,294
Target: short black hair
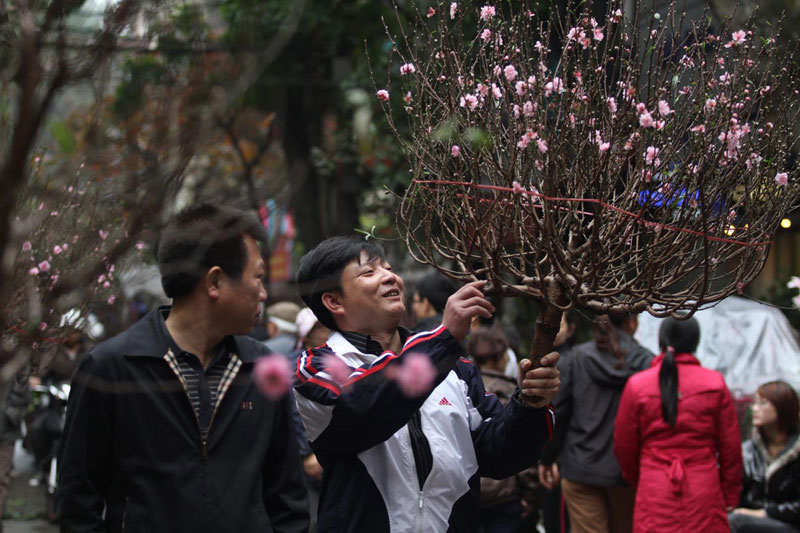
201,237
437,288
321,270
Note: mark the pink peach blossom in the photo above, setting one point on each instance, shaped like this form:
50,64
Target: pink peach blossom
612,104
407,68
521,88
510,72
431,12
651,156
598,34
487,12
273,376
604,147
455,150
700,128
26,246
517,187
782,178
453,10
663,108
710,104
33,271
646,120
486,34
57,249
496,92
44,266
383,95
541,145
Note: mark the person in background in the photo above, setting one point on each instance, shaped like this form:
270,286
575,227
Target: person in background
429,299
504,502
554,513
677,439
598,499
311,334
16,397
770,498
281,327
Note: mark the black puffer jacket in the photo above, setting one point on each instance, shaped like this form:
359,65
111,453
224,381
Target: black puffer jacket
772,484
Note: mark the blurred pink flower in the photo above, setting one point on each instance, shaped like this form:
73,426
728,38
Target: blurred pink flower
42,326
516,187
431,12
612,104
604,147
273,376
739,37
57,249
106,285
407,98
103,234
383,95
782,178
455,150
710,104
663,108
44,266
140,246
470,101
338,370
701,128
26,246
598,34
794,283
415,377
453,10
486,34
521,88
111,300
496,92
487,12
542,145
33,271
528,109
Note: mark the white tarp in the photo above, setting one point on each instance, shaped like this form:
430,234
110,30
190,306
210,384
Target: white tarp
750,343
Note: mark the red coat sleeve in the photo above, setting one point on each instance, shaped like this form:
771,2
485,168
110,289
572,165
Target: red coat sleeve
729,447
627,435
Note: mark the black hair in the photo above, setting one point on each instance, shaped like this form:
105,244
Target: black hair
606,334
437,288
321,270
201,237
674,336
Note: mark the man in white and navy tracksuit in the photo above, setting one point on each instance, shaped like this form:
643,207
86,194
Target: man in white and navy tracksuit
392,462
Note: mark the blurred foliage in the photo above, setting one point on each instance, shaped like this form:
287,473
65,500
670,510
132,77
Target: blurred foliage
778,294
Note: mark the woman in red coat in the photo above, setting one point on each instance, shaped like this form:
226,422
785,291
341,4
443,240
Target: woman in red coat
677,439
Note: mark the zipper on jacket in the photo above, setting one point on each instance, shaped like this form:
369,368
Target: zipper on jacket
421,448
420,510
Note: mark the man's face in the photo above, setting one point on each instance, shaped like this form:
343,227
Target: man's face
371,295
241,299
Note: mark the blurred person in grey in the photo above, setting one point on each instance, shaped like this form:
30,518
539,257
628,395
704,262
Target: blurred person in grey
16,396
281,327
165,429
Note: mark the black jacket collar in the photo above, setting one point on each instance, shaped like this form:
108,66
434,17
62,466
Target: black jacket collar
149,338
366,344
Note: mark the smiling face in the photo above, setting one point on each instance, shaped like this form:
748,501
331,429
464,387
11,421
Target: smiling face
370,299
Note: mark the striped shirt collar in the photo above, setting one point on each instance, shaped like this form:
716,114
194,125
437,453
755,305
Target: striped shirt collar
223,348
366,344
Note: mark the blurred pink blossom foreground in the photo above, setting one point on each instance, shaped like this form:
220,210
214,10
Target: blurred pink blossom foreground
273,376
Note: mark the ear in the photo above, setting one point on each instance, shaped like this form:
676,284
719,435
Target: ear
213,282
333,303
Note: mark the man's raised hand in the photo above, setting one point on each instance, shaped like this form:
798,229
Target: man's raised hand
466,303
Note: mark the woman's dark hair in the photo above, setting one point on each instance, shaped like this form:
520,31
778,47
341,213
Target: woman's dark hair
674,336
201,237
606,335
784,398
321,270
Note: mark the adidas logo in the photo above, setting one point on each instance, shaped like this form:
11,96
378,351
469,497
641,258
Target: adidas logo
444,401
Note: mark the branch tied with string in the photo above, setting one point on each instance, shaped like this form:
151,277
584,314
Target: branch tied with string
613,162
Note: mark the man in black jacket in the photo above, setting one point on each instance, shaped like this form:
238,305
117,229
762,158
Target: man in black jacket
165,429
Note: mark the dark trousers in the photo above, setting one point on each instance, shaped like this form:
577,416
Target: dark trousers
742,523
554,511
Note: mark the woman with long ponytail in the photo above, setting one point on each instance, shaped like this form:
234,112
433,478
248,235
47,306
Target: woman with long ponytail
677,440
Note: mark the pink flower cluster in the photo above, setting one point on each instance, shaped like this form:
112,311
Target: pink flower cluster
272,375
